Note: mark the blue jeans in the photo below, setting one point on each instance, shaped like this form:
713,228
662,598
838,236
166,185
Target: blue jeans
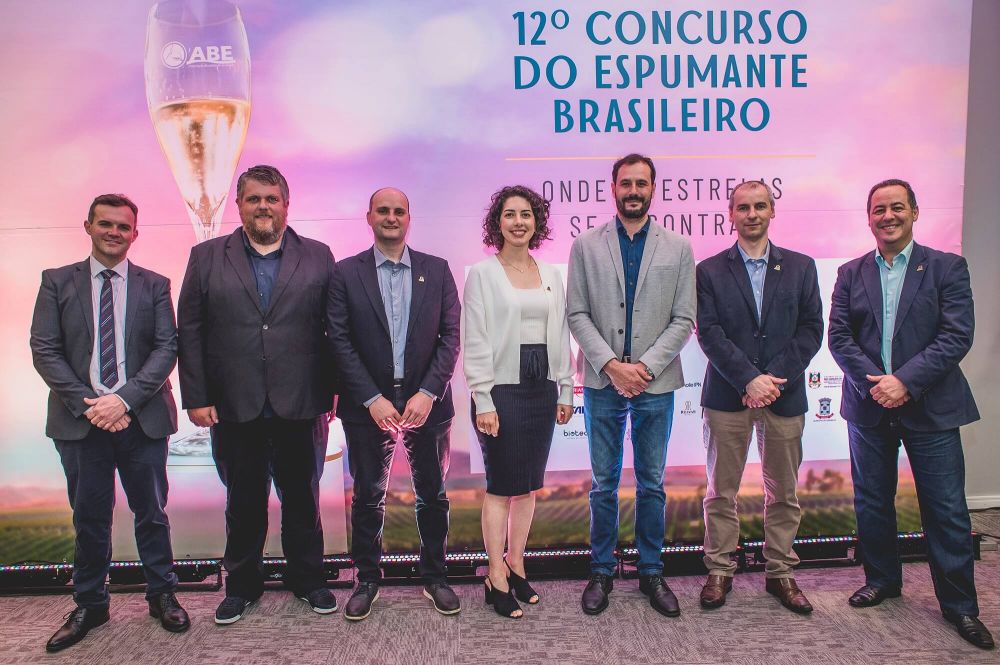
652,415
939,474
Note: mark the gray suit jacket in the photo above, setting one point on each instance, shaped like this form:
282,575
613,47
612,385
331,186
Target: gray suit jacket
663,313
62,341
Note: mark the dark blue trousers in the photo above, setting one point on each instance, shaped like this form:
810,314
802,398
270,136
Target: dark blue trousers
90,465
938,466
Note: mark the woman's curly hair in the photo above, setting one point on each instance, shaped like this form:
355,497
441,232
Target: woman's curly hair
492,237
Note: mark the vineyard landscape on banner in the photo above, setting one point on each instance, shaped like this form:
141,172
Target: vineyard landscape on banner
471,97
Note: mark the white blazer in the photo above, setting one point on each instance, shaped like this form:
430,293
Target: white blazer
491,332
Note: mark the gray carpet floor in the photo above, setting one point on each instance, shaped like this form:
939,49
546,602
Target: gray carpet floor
751,628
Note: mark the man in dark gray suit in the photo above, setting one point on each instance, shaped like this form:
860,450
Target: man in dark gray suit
254,367
103,339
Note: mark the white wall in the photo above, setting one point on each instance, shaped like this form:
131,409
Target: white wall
981,246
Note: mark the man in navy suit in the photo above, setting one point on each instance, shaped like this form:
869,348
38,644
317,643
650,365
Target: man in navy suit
394,331
103,338
900,322
760,322
253,367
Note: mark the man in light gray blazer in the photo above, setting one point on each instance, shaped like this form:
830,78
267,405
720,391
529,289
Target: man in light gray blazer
631,306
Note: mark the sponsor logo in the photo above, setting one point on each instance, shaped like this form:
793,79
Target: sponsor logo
688,408
825,411
175,55
833,380
815,380
696,384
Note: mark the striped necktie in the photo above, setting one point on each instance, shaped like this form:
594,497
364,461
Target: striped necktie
106,332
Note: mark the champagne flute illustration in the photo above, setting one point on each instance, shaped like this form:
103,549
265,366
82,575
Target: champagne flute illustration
197,69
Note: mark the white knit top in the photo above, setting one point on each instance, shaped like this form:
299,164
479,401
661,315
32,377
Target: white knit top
491,332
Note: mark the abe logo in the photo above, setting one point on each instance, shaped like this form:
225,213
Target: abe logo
176,55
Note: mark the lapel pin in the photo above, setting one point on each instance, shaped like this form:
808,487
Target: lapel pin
548,288
420,279
920,267
777,266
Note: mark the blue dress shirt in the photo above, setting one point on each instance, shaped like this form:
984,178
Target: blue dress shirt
396,286
892,285
265,269
631,249
757,271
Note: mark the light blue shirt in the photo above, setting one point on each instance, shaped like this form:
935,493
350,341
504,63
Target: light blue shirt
396,285
892,285
757,270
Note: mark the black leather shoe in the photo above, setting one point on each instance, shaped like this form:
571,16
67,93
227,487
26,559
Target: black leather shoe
78,623
870,596
444,599
170,613
972,630
359,606
661,597
595,596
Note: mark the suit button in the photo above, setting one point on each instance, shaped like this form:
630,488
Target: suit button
265,326
755,335
621,332
263,356
621,304
756,360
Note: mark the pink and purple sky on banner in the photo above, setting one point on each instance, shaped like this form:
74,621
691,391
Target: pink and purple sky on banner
348,97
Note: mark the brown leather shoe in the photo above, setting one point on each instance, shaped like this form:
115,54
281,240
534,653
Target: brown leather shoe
789,594
713,594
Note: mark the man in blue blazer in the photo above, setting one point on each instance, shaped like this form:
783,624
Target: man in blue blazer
394,332
760,322
900,322
103,339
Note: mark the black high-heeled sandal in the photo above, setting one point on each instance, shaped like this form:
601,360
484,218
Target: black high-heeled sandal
520,586
503,603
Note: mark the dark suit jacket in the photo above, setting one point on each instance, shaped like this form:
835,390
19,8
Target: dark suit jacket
233,354
933,332
739,347
62,343
362,349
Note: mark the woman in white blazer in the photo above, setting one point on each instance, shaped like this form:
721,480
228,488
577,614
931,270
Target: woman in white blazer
515,341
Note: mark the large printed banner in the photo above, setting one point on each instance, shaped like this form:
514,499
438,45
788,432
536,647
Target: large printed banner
450,101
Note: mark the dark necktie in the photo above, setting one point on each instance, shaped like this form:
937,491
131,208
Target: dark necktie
106,332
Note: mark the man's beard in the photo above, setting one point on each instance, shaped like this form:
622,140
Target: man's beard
262,236
639,212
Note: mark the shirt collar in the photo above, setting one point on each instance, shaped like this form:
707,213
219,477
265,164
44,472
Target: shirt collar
96,268
905,254
623,232
765,258
253,251
381,258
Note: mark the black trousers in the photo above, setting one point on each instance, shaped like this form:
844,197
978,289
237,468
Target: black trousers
90,465
248,457
369,455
